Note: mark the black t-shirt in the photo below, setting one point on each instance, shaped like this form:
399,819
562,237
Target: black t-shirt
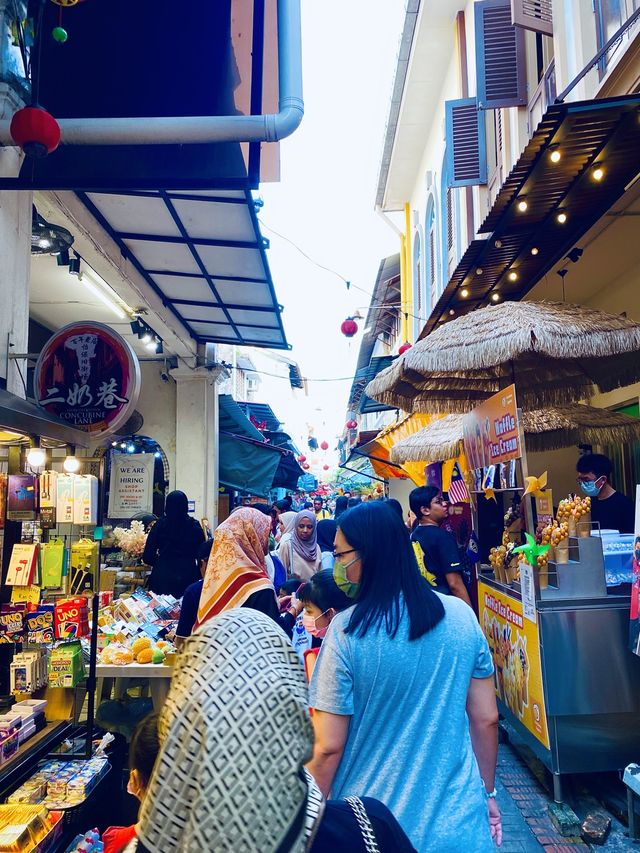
614,513
441,555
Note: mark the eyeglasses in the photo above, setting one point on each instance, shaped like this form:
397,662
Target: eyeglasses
337,554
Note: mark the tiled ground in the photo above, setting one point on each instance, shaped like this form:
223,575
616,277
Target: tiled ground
523,801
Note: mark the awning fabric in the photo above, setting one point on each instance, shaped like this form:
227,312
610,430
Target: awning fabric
378,450
24,417
246,462
203,254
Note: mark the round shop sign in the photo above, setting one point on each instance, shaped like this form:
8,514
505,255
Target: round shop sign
88,376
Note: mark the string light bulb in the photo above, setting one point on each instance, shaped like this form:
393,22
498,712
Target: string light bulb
464,293
598,173
555,156
71,462
513,275
522,205
495,297
561,217
451,312
534,250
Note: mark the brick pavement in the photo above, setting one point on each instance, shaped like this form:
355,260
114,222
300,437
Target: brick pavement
524,802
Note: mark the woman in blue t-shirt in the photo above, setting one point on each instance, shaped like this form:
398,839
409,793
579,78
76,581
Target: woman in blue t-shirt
396,677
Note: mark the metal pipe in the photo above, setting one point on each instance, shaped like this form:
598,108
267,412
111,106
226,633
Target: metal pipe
180,130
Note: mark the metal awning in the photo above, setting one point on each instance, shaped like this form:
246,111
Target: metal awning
202,252
366,375
262,414
22,416
524,244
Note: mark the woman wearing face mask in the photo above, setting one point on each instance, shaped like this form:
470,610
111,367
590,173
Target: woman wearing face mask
300,554
406,666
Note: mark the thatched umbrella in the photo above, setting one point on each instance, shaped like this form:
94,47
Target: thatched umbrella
545,429
555,353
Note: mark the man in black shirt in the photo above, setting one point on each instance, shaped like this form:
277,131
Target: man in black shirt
441,556
612,509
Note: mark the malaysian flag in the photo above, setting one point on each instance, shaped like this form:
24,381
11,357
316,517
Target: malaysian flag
457,488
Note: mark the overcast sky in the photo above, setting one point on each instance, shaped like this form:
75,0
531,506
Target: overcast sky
324,202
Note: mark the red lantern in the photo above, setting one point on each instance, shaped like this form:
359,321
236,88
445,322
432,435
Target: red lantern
349,327
352,424
379,489
325,467
324,445
305,466
405,346
302,459
35,131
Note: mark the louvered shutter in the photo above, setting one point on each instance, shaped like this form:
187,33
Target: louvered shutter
466,143
533,15
500,56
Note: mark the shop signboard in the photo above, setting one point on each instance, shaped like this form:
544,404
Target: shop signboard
131,484
491,431
515,647
88,376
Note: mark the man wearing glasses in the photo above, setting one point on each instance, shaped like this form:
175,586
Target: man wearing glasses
441,555
612,509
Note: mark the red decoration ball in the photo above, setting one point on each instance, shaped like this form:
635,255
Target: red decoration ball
324,445
305,466
405,346
302,459
325,467
35,131
352,424
349,328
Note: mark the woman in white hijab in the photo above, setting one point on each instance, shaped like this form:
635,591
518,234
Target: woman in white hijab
235,733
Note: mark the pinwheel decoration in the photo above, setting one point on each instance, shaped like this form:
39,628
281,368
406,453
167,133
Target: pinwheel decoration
531,550
536,485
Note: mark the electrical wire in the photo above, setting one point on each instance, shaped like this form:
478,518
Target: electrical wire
286,378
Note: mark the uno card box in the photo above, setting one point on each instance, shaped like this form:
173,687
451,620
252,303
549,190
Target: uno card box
71,618
11,624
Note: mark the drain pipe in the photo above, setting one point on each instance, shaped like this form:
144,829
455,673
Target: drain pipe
206,129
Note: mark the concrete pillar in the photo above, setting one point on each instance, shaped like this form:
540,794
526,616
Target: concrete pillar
197,439
15,259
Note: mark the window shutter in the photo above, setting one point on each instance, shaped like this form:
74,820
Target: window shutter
533,15
466,143
500,56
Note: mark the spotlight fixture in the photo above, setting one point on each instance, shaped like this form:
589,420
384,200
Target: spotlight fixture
135,327
36,456
71,463
62,258
513,275
464,293
146,338
598,173
495,297
555,155
574,255
74,265
151,344
561,217
534,250
522,205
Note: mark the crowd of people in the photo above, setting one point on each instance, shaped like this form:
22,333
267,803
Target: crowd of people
384,740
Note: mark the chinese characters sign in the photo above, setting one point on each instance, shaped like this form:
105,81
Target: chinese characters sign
88,376
491,431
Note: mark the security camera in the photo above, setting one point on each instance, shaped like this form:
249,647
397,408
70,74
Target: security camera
164,375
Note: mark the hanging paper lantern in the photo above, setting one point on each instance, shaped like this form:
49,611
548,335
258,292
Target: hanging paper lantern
405,346
379,489
349,327
325,467
302,459
35,131
305,466
324,445
352,424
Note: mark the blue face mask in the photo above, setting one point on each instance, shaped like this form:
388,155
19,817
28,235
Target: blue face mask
590,488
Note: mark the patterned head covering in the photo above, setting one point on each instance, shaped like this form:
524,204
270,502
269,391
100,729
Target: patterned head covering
236,567
307,550
234,734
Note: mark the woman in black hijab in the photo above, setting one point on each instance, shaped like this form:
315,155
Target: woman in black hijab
172,548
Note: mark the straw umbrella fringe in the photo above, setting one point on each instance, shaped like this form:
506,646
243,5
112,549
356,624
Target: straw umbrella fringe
548,429
554,353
